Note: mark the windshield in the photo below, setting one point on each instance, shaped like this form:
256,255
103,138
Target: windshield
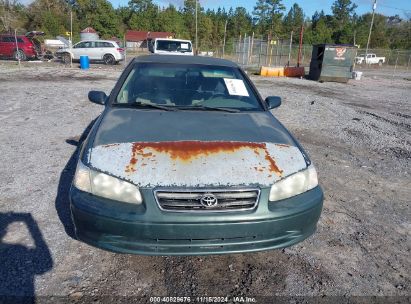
173,46
187,86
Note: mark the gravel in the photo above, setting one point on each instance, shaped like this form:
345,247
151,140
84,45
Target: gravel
357,134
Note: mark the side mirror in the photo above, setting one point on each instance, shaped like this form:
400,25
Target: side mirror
273,101
97,97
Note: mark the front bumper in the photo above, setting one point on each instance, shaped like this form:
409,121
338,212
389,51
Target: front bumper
145,229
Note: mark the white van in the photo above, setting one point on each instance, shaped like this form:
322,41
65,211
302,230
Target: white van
171,46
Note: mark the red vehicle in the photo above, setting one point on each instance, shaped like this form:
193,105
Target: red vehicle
27,47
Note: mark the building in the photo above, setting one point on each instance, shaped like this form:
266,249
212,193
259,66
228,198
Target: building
89,34
138,39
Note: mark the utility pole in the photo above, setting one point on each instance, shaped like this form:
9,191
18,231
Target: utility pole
71,37
196,27
374,6
225,32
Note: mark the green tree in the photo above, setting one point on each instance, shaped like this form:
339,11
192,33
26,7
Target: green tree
294,20
98,14
189,11
267,17
344,15
49,16
12,15
379,37
320,30
171,20
240,22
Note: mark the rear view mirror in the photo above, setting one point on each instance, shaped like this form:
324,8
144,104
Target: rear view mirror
273,101
97,97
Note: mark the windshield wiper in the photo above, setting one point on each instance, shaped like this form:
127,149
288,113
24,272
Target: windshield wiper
147,105
207,108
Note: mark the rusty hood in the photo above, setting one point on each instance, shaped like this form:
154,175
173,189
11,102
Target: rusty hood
194,149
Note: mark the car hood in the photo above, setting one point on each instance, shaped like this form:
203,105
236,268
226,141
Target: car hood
173,53
194,148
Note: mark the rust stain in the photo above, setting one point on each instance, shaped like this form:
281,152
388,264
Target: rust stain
282,145
186,151
110,145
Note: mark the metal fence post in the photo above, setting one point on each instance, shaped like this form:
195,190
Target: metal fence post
249,50
281,53
395,67
239,49
276,52
289,50
267,50
244,43
252,49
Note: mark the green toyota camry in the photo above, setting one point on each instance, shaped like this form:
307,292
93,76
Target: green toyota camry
187,159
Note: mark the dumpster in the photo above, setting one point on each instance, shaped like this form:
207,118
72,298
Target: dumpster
332,62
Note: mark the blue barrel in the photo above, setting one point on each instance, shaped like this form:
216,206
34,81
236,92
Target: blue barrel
84,62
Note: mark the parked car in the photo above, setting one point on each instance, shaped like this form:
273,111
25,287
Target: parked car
371,59
171,46
187,159
96,50
27,47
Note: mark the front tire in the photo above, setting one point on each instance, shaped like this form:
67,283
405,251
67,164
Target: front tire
380,63
19,55
109,59
66,58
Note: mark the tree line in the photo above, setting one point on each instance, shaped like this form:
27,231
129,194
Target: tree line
269,19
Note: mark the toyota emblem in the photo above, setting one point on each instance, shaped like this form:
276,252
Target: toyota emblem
208,200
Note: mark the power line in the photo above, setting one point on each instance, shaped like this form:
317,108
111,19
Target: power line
400,9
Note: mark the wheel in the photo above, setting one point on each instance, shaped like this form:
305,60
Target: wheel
19,55
380,63
109,59
66,58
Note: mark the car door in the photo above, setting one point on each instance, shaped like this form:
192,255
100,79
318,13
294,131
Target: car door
83,48
7,45
2,46
99,49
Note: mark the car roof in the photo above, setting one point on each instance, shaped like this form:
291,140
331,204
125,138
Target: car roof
173,39
96,40
12,35
184,60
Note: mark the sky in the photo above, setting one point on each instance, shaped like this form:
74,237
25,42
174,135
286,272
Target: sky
386,7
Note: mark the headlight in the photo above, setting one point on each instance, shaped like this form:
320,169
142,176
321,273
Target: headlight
104,185
294,184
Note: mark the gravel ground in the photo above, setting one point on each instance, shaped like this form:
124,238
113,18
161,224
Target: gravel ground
358,135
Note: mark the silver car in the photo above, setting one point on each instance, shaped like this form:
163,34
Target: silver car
99,50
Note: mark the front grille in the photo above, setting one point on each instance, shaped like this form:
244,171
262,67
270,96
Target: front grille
202,200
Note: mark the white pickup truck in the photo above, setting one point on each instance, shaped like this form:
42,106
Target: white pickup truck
371,59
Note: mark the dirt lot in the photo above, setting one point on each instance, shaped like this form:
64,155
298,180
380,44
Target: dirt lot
358,135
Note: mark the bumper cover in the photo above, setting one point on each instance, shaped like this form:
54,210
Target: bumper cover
145,229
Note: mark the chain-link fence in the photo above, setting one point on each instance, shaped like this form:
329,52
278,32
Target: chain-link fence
254,53
250,52
399,58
